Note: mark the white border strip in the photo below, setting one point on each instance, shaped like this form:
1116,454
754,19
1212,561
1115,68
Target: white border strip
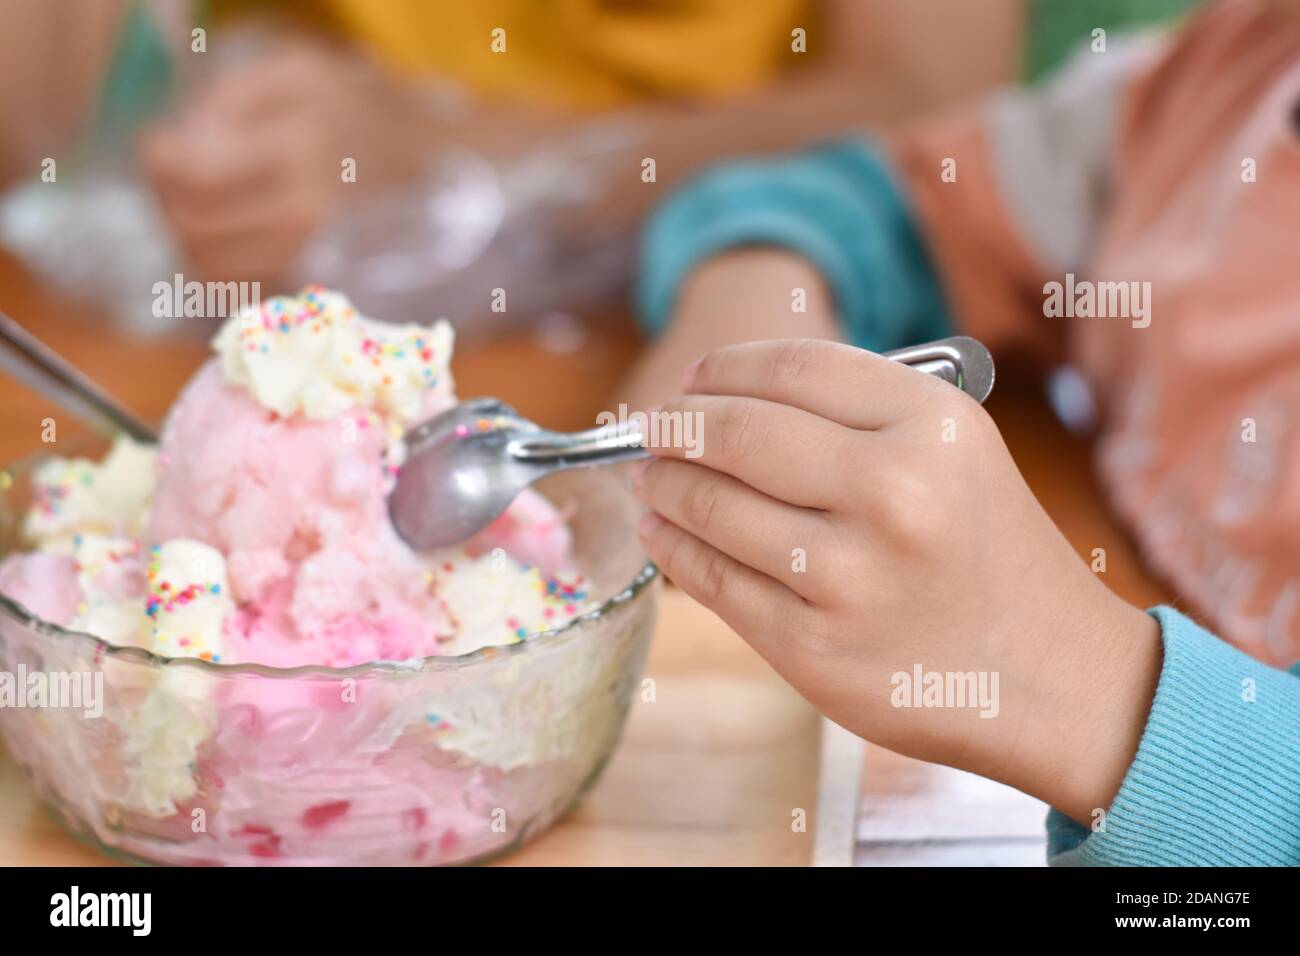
839,781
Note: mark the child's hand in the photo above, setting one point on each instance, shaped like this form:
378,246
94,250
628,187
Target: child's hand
255,163
853,519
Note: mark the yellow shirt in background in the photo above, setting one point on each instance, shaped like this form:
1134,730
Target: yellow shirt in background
576,53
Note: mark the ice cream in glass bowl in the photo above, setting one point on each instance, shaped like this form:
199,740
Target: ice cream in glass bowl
219,651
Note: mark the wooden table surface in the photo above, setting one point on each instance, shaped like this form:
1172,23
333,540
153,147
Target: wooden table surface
715,770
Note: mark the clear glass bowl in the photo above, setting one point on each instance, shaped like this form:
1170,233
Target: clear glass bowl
440,761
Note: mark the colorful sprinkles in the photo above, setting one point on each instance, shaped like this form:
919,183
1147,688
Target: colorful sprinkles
163,596
484,425
439,724
52,489
115,555
316,310
561,597
528,600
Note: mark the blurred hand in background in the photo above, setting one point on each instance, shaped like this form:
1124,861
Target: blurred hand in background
253,164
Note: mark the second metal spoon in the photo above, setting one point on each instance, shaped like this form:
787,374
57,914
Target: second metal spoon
36,365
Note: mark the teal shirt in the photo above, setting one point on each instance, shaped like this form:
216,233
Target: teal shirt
1216,779
1056,28
839,206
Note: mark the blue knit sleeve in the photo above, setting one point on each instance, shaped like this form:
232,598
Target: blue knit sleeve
1216,778
839,206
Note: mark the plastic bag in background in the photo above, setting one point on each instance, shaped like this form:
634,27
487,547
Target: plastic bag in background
97,236
441,247
489,248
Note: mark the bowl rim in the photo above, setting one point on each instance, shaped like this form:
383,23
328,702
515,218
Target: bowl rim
20,614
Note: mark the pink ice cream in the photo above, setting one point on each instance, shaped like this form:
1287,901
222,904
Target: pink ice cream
315,569
279,455
45,583
266,539
297,502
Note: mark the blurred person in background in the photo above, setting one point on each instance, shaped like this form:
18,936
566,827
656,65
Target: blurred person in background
242,150
248,171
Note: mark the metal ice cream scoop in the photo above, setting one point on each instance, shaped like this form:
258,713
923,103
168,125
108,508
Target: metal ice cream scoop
465,466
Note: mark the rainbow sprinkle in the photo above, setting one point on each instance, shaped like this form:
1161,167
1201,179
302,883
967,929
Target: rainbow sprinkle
163,597
315,309
484,425
562,599
112,555
49,496
438,723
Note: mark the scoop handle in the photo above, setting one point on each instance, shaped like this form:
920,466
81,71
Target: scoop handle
605,445
960,360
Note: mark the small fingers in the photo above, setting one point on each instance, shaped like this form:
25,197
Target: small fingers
209,173
758,531
851,386
786,453
751,603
